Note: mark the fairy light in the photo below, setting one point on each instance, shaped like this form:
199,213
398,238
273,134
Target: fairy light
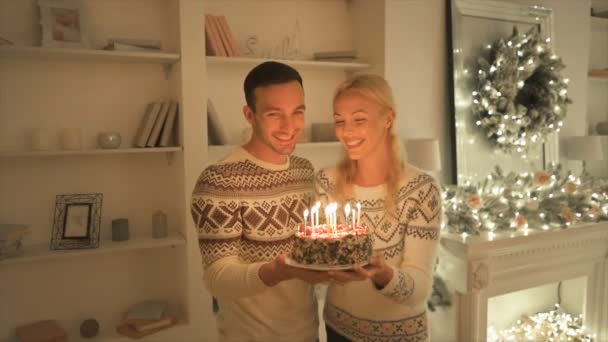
554,325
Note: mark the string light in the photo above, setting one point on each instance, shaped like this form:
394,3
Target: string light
554,325
551,198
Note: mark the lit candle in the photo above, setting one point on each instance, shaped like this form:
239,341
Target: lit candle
327,218
317,207
353,219
335,216
358,214
305,217
346,213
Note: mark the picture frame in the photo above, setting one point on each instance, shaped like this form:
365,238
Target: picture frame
77,221
63,23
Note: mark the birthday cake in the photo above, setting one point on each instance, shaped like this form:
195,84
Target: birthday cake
325,245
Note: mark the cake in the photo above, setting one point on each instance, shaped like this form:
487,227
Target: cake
341,245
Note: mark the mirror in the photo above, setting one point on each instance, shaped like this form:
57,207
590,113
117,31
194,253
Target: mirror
474,25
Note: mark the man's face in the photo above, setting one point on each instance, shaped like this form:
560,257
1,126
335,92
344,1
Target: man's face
277,122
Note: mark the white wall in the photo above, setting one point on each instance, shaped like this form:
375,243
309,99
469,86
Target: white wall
416,68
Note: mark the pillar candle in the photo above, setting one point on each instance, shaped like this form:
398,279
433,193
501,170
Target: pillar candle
71,139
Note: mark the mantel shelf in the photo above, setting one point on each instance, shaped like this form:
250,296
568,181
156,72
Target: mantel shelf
50,153
293,62
40,252
88,54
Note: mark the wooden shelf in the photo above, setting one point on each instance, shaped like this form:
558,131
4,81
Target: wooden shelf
88,54
296,63
51,153
40,252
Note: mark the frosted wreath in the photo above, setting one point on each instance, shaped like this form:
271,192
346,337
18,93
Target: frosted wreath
520,96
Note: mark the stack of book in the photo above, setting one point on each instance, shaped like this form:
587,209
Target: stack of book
41,331
158,127
11,236
129,44
219,40
336,56
146,318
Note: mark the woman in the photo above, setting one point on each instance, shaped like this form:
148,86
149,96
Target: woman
386,299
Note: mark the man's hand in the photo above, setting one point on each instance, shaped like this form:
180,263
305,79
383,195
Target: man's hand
277,271
377,270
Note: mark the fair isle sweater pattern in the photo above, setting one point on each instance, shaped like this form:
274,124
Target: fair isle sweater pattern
242,209
416,221
411,329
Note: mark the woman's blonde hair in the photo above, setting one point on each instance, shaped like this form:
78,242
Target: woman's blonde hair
376,89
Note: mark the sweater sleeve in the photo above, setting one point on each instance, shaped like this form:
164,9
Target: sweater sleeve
412,281
219,225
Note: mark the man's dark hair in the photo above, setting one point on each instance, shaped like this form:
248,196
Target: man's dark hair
265,74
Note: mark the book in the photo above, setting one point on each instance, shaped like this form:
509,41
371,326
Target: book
165,137
147,310
229,39
158,125
222,40
127,47
142,43
598,73
127,330
41,331
211,48
149,324
216,40
346,54
216,134
146,124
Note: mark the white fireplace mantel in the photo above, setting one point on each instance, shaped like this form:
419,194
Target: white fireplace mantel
488,265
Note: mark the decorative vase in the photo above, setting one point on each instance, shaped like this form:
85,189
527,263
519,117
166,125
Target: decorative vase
159,225
120,229
602,128
89,328
71,139
109,140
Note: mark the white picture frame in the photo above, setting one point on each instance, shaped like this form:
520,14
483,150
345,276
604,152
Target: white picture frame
63,23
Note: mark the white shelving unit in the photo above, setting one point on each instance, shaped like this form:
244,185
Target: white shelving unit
41,252
97,90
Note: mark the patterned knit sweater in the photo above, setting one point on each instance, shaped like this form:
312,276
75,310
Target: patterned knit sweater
409,240
246,211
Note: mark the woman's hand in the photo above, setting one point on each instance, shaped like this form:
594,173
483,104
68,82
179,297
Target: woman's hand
377,270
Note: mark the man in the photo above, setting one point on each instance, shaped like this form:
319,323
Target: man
246,209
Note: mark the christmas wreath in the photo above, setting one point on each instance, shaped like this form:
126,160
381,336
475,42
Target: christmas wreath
521,96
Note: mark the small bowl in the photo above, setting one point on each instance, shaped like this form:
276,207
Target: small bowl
109,140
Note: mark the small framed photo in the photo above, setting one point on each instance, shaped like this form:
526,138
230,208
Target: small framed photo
77,221
63,23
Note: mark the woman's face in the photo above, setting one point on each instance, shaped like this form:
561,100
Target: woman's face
361,125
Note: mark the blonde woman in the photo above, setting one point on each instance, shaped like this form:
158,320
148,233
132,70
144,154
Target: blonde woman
400,205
